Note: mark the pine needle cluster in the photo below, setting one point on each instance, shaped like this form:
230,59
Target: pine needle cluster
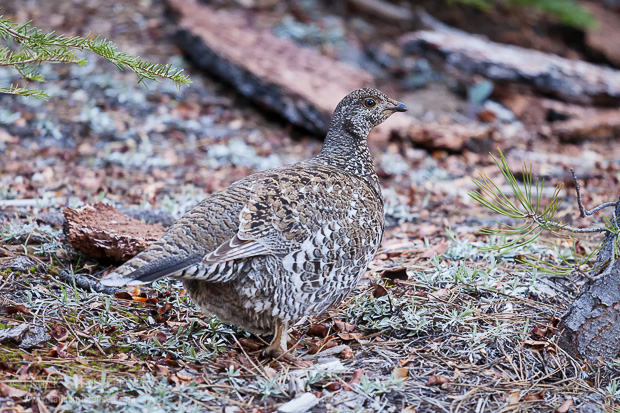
523,205
26,48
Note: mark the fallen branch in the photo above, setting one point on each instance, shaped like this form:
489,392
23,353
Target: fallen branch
583,211
85,283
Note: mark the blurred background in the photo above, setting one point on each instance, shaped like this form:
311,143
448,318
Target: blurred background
103,136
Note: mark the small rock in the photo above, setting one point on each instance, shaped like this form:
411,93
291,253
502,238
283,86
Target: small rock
34,337
20,264
300,404
26,335
14,333
501,112
150,216
54,219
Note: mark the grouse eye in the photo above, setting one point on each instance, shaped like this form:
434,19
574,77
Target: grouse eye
369,103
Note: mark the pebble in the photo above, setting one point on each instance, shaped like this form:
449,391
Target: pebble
300,404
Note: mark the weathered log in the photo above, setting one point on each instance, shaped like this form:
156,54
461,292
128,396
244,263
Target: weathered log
103,232
384,10
569,122
591,326
603,124
477,138
575,81
297,82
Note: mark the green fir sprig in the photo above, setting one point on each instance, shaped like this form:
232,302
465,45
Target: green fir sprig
35,47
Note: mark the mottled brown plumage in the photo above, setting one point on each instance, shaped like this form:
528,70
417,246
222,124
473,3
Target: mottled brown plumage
284,243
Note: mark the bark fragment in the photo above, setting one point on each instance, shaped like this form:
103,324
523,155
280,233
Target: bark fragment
103,232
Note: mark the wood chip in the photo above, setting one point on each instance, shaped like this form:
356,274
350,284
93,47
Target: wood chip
103,232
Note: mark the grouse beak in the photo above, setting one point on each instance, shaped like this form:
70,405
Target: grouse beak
398,106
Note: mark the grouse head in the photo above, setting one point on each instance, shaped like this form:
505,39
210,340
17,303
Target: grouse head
363,109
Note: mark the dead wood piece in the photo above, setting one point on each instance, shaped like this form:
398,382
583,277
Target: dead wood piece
85,283
453,137
384,10
592,323
591,326
297,82
603,37
602,124
101,231
575,81
569,122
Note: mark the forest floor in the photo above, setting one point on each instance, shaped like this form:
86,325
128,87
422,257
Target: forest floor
439,323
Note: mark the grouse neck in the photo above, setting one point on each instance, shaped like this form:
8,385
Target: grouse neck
349,153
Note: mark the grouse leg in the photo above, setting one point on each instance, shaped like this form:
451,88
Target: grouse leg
277,347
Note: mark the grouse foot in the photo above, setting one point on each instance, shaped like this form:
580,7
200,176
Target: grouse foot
277,347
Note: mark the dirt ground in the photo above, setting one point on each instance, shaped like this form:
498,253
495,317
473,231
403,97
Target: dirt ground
439,323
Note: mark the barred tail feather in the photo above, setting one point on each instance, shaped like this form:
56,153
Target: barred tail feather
146,268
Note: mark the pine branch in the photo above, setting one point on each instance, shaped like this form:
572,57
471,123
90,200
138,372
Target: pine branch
20,91
37,47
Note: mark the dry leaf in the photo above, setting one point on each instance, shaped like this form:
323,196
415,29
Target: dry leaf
318,330
324,344
565,407
164,308
160,336
400,373
379,291
185,377
333,386
350,336
440,294
347,353
20,308
59,333
535,397
390,276
436,380
8,391
355,379
437,249
270,372
249,345
161,370
53,397
344,327
122,295
513,398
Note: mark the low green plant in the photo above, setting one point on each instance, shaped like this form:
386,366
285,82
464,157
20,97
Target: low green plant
523,203
568,12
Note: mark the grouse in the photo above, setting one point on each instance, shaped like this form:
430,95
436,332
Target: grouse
283,243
